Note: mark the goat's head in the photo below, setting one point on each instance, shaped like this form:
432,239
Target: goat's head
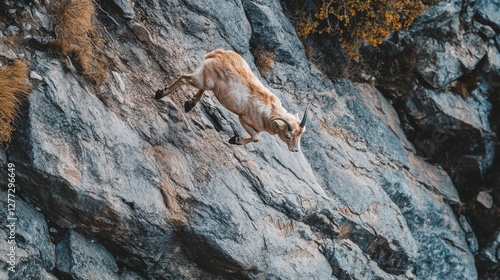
290,131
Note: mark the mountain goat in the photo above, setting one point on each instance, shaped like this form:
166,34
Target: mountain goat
228,75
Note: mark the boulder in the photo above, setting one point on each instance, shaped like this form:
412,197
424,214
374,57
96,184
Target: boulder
25,245
450,113
489,256
441,62
438,15
489,12
79,257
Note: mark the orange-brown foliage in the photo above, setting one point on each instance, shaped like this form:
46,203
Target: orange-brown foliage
14,88
357,22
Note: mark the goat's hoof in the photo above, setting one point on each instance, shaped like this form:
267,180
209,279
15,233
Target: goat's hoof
188,106
234,140
159,94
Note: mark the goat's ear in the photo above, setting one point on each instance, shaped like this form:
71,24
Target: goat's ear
277,126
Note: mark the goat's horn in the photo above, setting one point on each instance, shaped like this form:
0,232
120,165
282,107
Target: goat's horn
304,118
288,125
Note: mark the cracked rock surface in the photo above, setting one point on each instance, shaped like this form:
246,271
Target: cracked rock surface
137,189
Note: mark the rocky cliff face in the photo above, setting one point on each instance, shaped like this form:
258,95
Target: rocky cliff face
112,184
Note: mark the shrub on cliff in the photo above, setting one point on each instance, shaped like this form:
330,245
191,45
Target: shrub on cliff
264,59
77,37
13,89
356,22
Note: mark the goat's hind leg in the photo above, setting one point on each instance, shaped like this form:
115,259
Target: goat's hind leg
182,80
254,135
190,104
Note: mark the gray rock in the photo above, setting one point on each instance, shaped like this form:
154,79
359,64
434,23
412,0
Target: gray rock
119,81
42,17
485,199
439,66
126,8
489,256
3,157
348,262
30,269
79,257
41,41
130,275
445,115
32,248
272,32
471,50
450,113
438,15
457,54
441,63
493,56
367,126
486,30
36,76
26,26
469,234
397,187
489,11
11,30
140,31
75,116
117,94
227,22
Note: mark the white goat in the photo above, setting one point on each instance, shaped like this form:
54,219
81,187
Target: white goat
228,75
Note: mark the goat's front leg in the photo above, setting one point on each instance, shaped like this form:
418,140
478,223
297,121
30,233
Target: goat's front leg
190,104
254,135
182,80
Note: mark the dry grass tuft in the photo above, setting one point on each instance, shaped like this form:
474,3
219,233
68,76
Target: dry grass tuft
264,60
14,88
12,41
345,229
466,84
77,37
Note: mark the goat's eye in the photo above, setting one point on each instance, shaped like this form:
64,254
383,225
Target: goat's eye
288,137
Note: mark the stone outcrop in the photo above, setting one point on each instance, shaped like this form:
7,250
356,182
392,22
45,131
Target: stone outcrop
449,102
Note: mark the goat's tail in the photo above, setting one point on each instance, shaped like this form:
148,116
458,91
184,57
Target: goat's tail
214,53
